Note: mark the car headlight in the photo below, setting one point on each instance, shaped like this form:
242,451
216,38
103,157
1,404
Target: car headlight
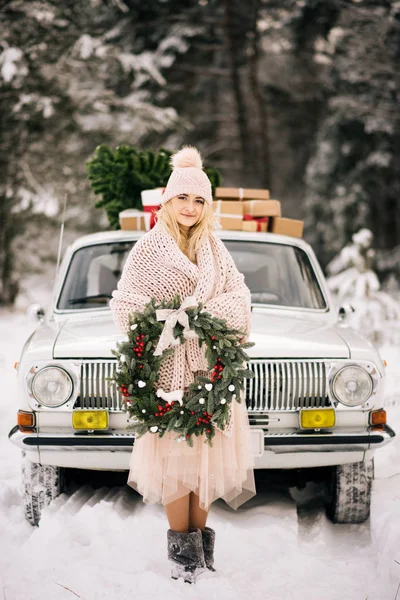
352,385
52,386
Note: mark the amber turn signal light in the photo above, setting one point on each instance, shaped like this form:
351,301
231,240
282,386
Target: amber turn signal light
25,420
377,417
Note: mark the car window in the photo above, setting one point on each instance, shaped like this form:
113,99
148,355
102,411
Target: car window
92,275
277,274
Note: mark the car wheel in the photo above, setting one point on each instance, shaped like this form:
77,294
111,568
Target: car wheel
348,497
40,485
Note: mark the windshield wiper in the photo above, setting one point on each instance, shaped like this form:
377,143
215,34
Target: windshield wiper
89,298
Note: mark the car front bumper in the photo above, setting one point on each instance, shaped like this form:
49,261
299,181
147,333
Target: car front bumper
271,450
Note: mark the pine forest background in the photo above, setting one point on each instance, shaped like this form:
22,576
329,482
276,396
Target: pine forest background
301,97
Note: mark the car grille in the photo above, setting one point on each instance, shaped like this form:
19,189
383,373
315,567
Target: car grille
96,390
286,385
278,385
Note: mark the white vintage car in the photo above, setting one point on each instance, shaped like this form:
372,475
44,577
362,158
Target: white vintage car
316,399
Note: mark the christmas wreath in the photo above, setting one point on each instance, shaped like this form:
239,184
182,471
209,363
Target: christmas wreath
152,336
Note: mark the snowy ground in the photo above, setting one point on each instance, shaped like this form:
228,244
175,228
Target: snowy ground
100,541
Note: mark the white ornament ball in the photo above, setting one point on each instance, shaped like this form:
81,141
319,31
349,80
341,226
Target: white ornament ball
143,410
141,383
208,387
182,412
231,388
214,347
223,401
133,327
199,387
154,429
201,401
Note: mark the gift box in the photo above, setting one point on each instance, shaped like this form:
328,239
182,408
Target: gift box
251,223
283,226
131,218
249,226
262,208
229,214
240,193
151,200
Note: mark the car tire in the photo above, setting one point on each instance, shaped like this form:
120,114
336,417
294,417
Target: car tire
348,498
40,485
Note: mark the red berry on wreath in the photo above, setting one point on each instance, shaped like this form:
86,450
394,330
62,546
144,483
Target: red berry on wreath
140,366
192,412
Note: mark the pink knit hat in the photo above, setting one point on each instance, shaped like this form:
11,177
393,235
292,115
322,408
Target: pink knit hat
187,176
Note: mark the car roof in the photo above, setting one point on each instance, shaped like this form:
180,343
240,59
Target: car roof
105,237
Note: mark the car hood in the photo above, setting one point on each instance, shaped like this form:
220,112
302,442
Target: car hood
88,336
274,336
295,336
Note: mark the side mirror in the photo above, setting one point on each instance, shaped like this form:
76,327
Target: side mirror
35,312
345,310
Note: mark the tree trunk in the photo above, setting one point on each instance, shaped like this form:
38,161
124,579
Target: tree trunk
241,113
262,117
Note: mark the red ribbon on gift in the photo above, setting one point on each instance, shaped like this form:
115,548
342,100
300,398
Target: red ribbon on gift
152,210
148,206
258,220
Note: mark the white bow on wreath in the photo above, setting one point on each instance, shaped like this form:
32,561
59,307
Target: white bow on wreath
171,318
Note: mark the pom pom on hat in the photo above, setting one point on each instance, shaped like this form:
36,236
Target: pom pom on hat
187,176
187,157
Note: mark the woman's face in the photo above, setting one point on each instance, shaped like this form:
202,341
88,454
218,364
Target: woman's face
187,209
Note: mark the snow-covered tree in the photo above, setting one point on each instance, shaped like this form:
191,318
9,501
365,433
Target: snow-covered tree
352,179
72,76
353,280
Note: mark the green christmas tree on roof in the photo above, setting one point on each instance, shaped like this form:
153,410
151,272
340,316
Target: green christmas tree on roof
119,176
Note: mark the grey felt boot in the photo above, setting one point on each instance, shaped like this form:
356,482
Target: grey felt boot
208,536
185,551
208,539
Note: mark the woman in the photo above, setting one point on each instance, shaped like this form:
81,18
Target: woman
181,255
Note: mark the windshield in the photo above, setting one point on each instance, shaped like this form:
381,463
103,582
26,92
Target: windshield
277,274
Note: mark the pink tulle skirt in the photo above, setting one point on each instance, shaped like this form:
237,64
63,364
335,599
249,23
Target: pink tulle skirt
163,470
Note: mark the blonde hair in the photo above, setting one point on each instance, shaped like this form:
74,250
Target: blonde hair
197,233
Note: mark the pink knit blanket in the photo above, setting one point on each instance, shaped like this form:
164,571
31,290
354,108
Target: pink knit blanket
156,267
